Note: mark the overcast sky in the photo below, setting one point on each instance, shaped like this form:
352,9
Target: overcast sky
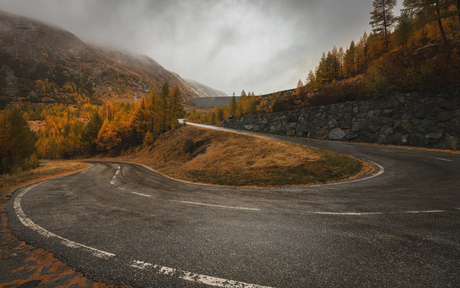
256,45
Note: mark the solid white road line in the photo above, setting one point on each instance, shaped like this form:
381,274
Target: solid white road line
197,278
219,206
442,159
30,224
382,170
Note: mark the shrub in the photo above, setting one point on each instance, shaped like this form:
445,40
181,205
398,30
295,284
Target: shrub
173,147
188,146
376,83
338,93
149,139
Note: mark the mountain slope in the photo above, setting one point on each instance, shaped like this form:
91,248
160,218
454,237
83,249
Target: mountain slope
45,64
203,90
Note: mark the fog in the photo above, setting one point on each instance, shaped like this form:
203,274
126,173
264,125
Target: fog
255,45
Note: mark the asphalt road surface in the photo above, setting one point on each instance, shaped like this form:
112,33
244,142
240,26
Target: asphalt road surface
122,221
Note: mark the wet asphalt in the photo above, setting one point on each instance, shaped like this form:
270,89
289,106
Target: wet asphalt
398,229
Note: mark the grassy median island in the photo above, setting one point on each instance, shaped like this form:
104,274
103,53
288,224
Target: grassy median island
223,158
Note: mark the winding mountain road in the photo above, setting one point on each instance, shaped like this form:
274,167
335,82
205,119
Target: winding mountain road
123,221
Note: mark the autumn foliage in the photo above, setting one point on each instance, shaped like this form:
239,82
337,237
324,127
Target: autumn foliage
246,105
68,132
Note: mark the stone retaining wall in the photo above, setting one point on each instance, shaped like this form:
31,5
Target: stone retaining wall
430,119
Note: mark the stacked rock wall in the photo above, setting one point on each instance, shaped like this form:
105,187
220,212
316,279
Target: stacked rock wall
430,119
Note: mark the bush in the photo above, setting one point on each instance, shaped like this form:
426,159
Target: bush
376,83
31,162
149,139
188,146
338,93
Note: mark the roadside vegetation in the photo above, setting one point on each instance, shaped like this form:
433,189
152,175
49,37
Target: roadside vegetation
224,158
45,169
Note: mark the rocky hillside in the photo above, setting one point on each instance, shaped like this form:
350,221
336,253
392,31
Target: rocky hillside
41,63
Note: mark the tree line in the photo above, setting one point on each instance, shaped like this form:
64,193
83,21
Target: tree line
86,129
247,104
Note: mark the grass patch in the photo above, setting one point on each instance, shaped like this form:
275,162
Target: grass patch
47,169
224,158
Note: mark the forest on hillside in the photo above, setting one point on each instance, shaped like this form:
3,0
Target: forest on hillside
64,131
416,51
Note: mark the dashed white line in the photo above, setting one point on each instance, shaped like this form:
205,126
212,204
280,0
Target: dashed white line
115,176
30,224
421,212
140,194
193,277
348,213
377,213
442,159
219,206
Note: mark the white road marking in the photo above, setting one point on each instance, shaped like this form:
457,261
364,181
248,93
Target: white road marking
382,170
348,213
30,224
378,213
420,212
219,206
140,194
115,176
197,278
442,159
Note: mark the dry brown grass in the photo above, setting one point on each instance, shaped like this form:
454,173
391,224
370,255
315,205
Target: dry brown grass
47,169
225,158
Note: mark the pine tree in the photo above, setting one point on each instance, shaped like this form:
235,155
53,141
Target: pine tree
17,141
166,106
403,29
233,105
220,115
349,60
91,130
383,18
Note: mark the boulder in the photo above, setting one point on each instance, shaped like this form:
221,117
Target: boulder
337,134
357,127
427,126
444,116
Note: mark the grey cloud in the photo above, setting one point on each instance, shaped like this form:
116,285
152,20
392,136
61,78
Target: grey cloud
255,45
